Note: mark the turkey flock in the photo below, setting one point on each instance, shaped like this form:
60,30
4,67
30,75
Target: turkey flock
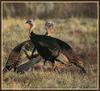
43,47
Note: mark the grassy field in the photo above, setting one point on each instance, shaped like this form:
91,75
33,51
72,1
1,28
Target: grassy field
80,33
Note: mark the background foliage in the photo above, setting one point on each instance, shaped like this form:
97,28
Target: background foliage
49,10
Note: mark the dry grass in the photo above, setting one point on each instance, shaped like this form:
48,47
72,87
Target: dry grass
38,79
80,33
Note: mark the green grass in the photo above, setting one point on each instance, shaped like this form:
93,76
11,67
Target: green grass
80,33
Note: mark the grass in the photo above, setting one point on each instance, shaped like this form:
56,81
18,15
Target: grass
80,33
47,79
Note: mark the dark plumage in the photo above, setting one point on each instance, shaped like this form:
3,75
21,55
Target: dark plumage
49,48
15,56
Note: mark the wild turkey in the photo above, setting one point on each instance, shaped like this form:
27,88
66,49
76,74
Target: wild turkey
53,51
49,48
